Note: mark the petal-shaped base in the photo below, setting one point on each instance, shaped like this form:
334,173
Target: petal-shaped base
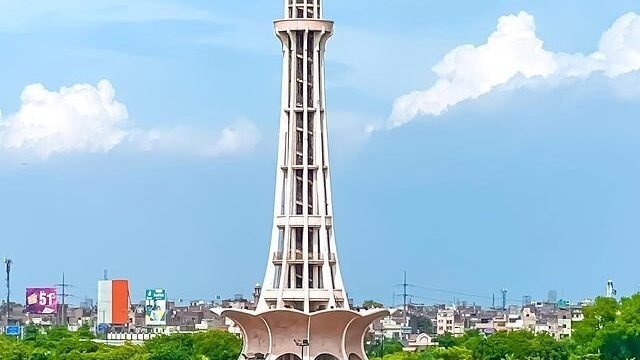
332,334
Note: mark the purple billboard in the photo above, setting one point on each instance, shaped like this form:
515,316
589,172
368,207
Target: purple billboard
42,301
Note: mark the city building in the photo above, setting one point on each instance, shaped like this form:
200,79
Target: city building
114,303
303,309
449,321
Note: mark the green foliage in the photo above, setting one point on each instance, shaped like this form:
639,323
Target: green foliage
424,325
372,304
61,344
447,340
374,348
219,345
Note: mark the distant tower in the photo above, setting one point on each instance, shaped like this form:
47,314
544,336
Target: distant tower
611,291
552,297
526,300
504,299
303,308
257,290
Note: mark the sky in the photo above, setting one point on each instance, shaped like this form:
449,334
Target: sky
478,146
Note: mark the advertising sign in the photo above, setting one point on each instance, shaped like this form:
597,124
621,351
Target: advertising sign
156,307
42,301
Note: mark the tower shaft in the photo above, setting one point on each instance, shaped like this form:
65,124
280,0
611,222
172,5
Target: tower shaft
303,272
303,312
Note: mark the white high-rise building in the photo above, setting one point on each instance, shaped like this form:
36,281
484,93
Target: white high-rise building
303,310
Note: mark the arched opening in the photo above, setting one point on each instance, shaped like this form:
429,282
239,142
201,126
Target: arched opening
289,357
353,356
326,357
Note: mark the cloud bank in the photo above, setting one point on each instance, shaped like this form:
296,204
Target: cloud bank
514,52
88,119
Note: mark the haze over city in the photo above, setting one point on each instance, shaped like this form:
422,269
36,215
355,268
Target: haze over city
478,146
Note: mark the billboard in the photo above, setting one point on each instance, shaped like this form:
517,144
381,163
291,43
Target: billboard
113,302
156,307
42,301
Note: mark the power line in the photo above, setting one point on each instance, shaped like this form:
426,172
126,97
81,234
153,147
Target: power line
458,293
436,300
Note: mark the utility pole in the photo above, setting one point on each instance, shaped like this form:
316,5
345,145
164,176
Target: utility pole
8,262
63,311
405,307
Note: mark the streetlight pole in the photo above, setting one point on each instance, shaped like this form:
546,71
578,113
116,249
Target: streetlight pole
302,344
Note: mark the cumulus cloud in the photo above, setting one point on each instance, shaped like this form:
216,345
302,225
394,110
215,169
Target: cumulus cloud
88,119
514,52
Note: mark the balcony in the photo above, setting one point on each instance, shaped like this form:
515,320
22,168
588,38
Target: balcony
296,256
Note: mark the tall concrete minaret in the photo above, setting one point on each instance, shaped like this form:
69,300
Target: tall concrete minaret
303,272
303,312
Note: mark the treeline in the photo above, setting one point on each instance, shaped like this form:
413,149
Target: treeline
61,344
609,331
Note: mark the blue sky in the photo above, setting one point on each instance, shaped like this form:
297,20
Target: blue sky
512,162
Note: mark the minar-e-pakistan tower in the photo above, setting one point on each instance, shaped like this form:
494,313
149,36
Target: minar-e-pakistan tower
303,307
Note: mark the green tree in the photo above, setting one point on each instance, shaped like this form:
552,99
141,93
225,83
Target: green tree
217,345
447,340
371,304
603,311
172,347
424,325
453,353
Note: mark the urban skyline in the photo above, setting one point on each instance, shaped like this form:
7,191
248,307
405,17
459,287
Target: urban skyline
527,181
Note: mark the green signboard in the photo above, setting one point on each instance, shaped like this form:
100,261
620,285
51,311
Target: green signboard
156,307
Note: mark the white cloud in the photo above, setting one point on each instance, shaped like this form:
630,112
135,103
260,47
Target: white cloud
88,119
240,137
620,46
514,55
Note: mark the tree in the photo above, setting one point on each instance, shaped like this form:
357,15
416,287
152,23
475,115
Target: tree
446,341
172,347
602,312
371,304
423,324
453,353
217,345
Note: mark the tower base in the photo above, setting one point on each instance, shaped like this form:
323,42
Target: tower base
287,334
